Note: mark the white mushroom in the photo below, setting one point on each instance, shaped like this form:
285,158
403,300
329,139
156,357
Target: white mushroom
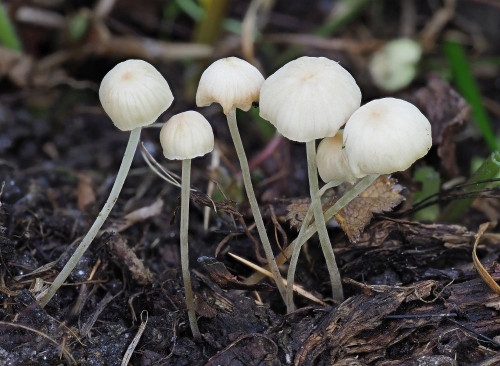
307,99
183,137
385,136
133,94
332,160
234,83
231,82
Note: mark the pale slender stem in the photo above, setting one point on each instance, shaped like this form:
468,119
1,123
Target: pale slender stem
99,221
186,276
311,230
300,241
235,134
324,239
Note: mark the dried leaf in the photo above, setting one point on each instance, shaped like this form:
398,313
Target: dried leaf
222,277
446,111
136,216
86,194
479,267
297,210
382,195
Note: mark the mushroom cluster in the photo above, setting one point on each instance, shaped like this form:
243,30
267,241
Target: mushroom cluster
307,99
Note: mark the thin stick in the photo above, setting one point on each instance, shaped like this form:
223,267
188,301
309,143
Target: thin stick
266,273
247,180
101,218
186,276
324,239
133,344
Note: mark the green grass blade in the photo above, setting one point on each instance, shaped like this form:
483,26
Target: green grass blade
8,35
467,86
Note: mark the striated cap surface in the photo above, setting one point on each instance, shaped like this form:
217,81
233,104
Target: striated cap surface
231,82
186,135
134,94
385,136
309,98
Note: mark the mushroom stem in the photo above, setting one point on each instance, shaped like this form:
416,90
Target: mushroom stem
133,141
311,230
186,276
298,244
247,180
326,246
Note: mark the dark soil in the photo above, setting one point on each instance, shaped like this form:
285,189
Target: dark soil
413,294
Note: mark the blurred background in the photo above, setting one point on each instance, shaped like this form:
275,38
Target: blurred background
54,54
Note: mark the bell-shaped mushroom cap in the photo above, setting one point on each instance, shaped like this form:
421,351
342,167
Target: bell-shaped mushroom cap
332,160
134,94
386,135
309,98
186,135
231,82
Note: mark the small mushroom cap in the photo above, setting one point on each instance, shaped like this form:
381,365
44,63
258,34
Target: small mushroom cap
332,160
394,66
309,98
231,82
385,136
186,135
134,94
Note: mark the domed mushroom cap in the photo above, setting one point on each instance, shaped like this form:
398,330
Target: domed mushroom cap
332,160
134,94
186,135
231,82
309,98
385,136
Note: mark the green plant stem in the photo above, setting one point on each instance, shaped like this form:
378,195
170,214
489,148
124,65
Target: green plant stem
8,35
186,276
247,180
311,230
298,246
324,239
133,141
455,210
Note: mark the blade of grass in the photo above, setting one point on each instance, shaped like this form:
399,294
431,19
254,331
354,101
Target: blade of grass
467,86
455,210
8,35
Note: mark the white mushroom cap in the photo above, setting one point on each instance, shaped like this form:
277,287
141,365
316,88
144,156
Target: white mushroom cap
134,94
231,82
394,66
309,98
186,135
332,160
385,136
